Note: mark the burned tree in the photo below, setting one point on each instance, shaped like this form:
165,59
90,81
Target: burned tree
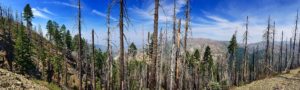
245,71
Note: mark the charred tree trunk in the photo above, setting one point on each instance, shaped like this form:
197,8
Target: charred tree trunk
245,75
177,56
109,54
121,56
294,44
93,62
80,47
273,42
154,53
173,56
280,55
267,61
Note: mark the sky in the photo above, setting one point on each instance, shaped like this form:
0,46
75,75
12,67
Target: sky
212,19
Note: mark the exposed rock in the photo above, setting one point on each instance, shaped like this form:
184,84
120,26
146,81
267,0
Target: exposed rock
12,81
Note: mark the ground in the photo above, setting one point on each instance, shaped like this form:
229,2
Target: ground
12,81
287,81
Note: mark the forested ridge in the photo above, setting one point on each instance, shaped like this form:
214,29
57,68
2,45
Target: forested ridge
177,63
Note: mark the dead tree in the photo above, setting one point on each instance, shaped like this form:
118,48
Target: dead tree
121,56
290,66
280,55
187,19
273,42
80,47
184,65
93,62
173,48
286,53
155,49
267,61
298,56
177,56
245,73
109,54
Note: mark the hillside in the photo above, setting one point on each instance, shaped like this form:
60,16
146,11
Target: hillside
12,81
288,81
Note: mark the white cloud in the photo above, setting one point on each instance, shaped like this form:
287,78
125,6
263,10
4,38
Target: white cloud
65,4
165,10
38,13
102,14
46,11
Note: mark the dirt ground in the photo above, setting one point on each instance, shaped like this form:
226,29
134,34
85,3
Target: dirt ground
288,81
12,81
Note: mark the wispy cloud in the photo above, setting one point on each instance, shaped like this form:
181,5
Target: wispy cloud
165,10
46,11
102,14
38,13
65,4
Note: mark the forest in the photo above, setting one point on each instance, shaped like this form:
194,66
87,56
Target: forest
162,63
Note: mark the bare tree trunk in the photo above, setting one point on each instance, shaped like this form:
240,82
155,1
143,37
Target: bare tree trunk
109,54
177,56
298,56
93,62
294,44
246,77
173,56
273,42
184,65
159,71
121,56
290,66
280,56
154,54
286,53
80,47
267,61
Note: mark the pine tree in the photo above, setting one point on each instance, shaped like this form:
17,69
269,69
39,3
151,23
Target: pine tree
28,15
50,32
232,59
132,50
207,67
23,52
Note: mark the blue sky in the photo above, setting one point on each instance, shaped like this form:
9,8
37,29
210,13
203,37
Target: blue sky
213,19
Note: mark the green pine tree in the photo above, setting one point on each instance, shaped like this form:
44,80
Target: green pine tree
23,52
132,50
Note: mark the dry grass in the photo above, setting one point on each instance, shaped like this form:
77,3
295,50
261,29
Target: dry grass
287,81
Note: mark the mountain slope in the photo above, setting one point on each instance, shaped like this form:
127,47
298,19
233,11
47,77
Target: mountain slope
288,81
12,81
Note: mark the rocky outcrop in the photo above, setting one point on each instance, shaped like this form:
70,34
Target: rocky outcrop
12,81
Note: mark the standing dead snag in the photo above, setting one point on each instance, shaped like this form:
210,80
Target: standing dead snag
184,65
298,56
267,62
154,54
109,54
93,62
80,47
280,55
187,19
290,66
173,51
121,56
177,56
273,42
246,75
